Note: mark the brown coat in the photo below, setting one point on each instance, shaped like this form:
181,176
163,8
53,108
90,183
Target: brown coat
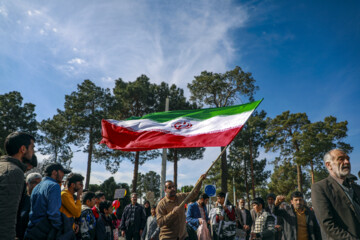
172,224
334,210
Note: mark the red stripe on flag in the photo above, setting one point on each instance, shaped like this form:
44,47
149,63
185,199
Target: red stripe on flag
120,138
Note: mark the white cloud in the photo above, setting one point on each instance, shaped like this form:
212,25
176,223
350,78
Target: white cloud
77,61
3,11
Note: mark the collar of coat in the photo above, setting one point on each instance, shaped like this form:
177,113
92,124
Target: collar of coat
14,161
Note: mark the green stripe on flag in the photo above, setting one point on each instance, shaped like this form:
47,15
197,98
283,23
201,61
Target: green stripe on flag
200,114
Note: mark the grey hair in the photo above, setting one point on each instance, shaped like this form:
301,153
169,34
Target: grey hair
32,176
328,157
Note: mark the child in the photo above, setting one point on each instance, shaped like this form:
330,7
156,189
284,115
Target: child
104,225
151,230
87,218
99,197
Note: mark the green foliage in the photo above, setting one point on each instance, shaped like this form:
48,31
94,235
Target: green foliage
84,110
148,182
53,141
15,116
186,188
222,89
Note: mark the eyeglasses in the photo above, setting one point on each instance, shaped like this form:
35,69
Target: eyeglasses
170,187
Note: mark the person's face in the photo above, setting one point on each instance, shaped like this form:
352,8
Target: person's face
297,202
242,203
270,201
206,201
170,189
340,166
59,176
108,211
33,184
257,207
146,205
78,185
90,203
221,200
153,211
133,198
102,199
29,152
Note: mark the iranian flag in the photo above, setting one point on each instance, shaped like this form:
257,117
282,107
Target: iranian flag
211,127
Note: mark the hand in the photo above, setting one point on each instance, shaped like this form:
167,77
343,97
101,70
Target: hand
76,228
200,221
79,193
252,235
202,177
221,218
141,231
246,227
123,233
278,228
279,199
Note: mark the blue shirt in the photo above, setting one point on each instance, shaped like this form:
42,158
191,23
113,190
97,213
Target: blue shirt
46,202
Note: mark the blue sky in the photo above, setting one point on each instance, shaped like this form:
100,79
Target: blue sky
303,54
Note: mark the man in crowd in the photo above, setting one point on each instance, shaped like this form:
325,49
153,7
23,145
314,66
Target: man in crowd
99,197
19,148
170,217
133,220
270,198
243,218
336,202
69,206
223,217
32,180
197,213
46,201
264,223
299,222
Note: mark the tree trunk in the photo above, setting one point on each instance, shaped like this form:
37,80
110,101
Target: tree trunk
224,172
136,170
312,171
88,171
175,167
246,184
252,169
299,177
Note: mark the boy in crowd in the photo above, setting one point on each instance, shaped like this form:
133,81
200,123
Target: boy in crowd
99,197
87,219
151,230
104,225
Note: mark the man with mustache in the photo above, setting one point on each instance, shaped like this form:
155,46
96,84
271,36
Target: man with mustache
197,212
170,217
299,221
19,148
336,202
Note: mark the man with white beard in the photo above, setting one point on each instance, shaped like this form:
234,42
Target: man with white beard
336,202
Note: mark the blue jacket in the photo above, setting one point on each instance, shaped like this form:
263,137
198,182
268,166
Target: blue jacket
46,202
193,215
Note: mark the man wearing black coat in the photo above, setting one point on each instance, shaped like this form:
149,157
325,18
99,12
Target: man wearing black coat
299,222
243,218
336,202
133,220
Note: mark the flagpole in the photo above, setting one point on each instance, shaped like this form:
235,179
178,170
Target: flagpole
164,159
199,181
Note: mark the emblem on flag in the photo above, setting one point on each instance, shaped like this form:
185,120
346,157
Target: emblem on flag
182,125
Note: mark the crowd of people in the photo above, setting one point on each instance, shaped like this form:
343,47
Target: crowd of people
41,207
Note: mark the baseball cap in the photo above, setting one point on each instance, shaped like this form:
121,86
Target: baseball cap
56,166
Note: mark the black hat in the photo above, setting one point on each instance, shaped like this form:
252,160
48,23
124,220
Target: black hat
352,177
258,201
272,195
56,166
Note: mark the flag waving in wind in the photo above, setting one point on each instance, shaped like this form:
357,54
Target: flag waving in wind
211,127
